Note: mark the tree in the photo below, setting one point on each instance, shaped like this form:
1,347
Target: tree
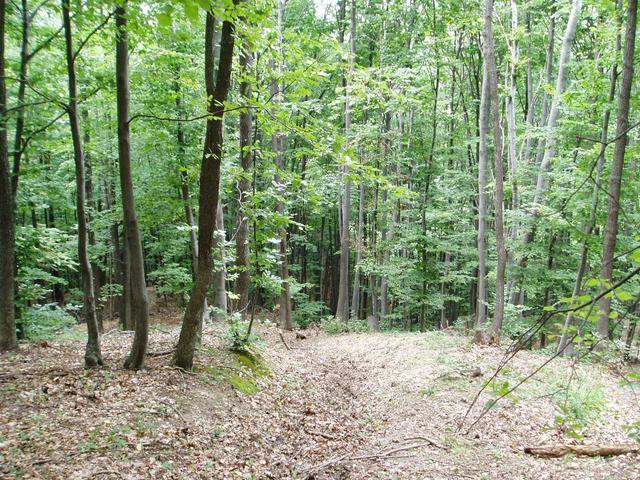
342,310
209,183
136,295
8,338
615,180
243,281
483,155
492,91
92,356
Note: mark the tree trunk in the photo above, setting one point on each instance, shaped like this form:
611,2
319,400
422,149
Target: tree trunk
483,154
8,337
611,229
209,184
277,145
355,302
551,126
243,281
588,228
22,89
89,201
92,356
219,268
342,310
184,190
511,125
135,262
490,60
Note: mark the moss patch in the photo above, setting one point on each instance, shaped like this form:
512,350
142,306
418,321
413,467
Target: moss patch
253,361
242,371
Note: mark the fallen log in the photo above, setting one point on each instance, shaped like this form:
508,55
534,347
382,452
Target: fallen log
557,451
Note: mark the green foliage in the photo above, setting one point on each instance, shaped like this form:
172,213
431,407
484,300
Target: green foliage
578,404
236,336
306,311
44,322
335,326
172,279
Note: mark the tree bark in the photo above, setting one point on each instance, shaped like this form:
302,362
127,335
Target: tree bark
243,281
8,337
342,310
209,184
490,60
483,156
22,89
92,356
557,451
184,190
355,302
588,228
277,145
219,268
551,137
135,262
611,229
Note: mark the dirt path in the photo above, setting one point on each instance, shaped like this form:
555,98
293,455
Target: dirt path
414,389
357,406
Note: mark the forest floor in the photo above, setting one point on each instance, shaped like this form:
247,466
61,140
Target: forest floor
352,406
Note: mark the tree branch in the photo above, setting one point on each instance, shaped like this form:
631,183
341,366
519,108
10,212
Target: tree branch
91,34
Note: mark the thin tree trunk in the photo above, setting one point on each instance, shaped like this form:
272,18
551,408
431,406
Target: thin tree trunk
22,89
95,267
209,185
552,123
277,144
490,60
342,310
8,337
384,284
511,125
219,268
483,157
551,136
517,294
588,228
92,356
355,302
611,229
135,261
184,190
244,185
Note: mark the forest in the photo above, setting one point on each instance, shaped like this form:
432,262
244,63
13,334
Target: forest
319,239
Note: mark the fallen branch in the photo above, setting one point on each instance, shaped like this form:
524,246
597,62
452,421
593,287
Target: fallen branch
386,454
557,451
175,409
320,434
283,340
160,354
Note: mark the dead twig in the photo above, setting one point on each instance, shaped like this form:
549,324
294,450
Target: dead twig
175,409
283,340
386,454
160,354
105,472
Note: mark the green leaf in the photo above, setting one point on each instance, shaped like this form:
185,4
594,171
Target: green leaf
164,20
624,296
191,10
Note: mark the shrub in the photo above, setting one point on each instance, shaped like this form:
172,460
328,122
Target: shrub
44,322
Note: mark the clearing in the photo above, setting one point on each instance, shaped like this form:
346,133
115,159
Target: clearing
358,406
